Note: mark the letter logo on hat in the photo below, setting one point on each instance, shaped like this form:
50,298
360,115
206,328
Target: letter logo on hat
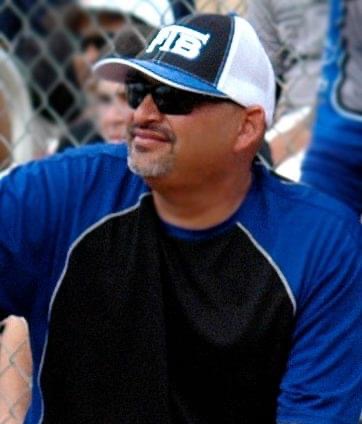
179,40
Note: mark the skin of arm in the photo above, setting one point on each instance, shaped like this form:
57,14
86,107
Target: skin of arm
15,371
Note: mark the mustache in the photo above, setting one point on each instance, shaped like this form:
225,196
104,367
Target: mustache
164,132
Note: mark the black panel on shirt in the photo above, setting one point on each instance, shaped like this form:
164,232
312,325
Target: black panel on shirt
149,329
3,315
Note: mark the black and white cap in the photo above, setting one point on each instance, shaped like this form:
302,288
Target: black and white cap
216,55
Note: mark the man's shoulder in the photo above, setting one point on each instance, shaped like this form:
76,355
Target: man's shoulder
97,153
72,164
307,207
97,175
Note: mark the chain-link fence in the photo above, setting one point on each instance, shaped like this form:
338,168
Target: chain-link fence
49,100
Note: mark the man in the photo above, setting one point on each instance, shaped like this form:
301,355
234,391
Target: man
202,290
333,162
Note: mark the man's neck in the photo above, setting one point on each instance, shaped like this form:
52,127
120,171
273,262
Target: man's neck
201,207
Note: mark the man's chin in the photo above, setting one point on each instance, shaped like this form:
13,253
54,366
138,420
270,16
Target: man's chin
148,168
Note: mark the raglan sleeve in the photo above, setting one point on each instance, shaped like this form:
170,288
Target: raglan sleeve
323,379
30,213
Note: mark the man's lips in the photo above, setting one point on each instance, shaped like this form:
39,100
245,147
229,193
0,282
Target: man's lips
144,135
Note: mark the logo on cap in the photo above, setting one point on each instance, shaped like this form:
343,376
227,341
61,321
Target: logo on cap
179,40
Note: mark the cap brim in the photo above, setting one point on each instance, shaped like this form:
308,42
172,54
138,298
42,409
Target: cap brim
116,69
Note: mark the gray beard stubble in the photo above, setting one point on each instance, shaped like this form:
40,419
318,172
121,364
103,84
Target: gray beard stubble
153,169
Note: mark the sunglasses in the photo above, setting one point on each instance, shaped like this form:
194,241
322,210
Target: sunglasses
169,100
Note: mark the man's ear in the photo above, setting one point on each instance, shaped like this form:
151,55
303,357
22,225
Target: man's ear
252,129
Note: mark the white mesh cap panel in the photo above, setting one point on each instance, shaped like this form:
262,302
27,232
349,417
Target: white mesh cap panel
248,77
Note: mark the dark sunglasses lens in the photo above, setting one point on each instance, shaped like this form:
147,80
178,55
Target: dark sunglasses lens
171,101
135,93
168,100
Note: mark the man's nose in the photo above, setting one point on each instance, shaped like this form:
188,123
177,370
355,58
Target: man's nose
146,111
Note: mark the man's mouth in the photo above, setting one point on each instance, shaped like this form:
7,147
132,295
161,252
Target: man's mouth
148,138
144,135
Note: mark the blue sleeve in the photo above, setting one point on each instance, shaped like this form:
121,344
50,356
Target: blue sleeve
29,214
323,379
45,205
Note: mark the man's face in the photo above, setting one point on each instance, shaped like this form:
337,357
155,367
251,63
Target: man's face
185,147
113,112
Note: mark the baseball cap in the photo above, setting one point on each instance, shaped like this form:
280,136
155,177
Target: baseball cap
215,55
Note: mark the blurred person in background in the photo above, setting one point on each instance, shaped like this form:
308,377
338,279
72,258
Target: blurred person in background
5,132
36,36
112,111
107,110
293,34
17,145
333,161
